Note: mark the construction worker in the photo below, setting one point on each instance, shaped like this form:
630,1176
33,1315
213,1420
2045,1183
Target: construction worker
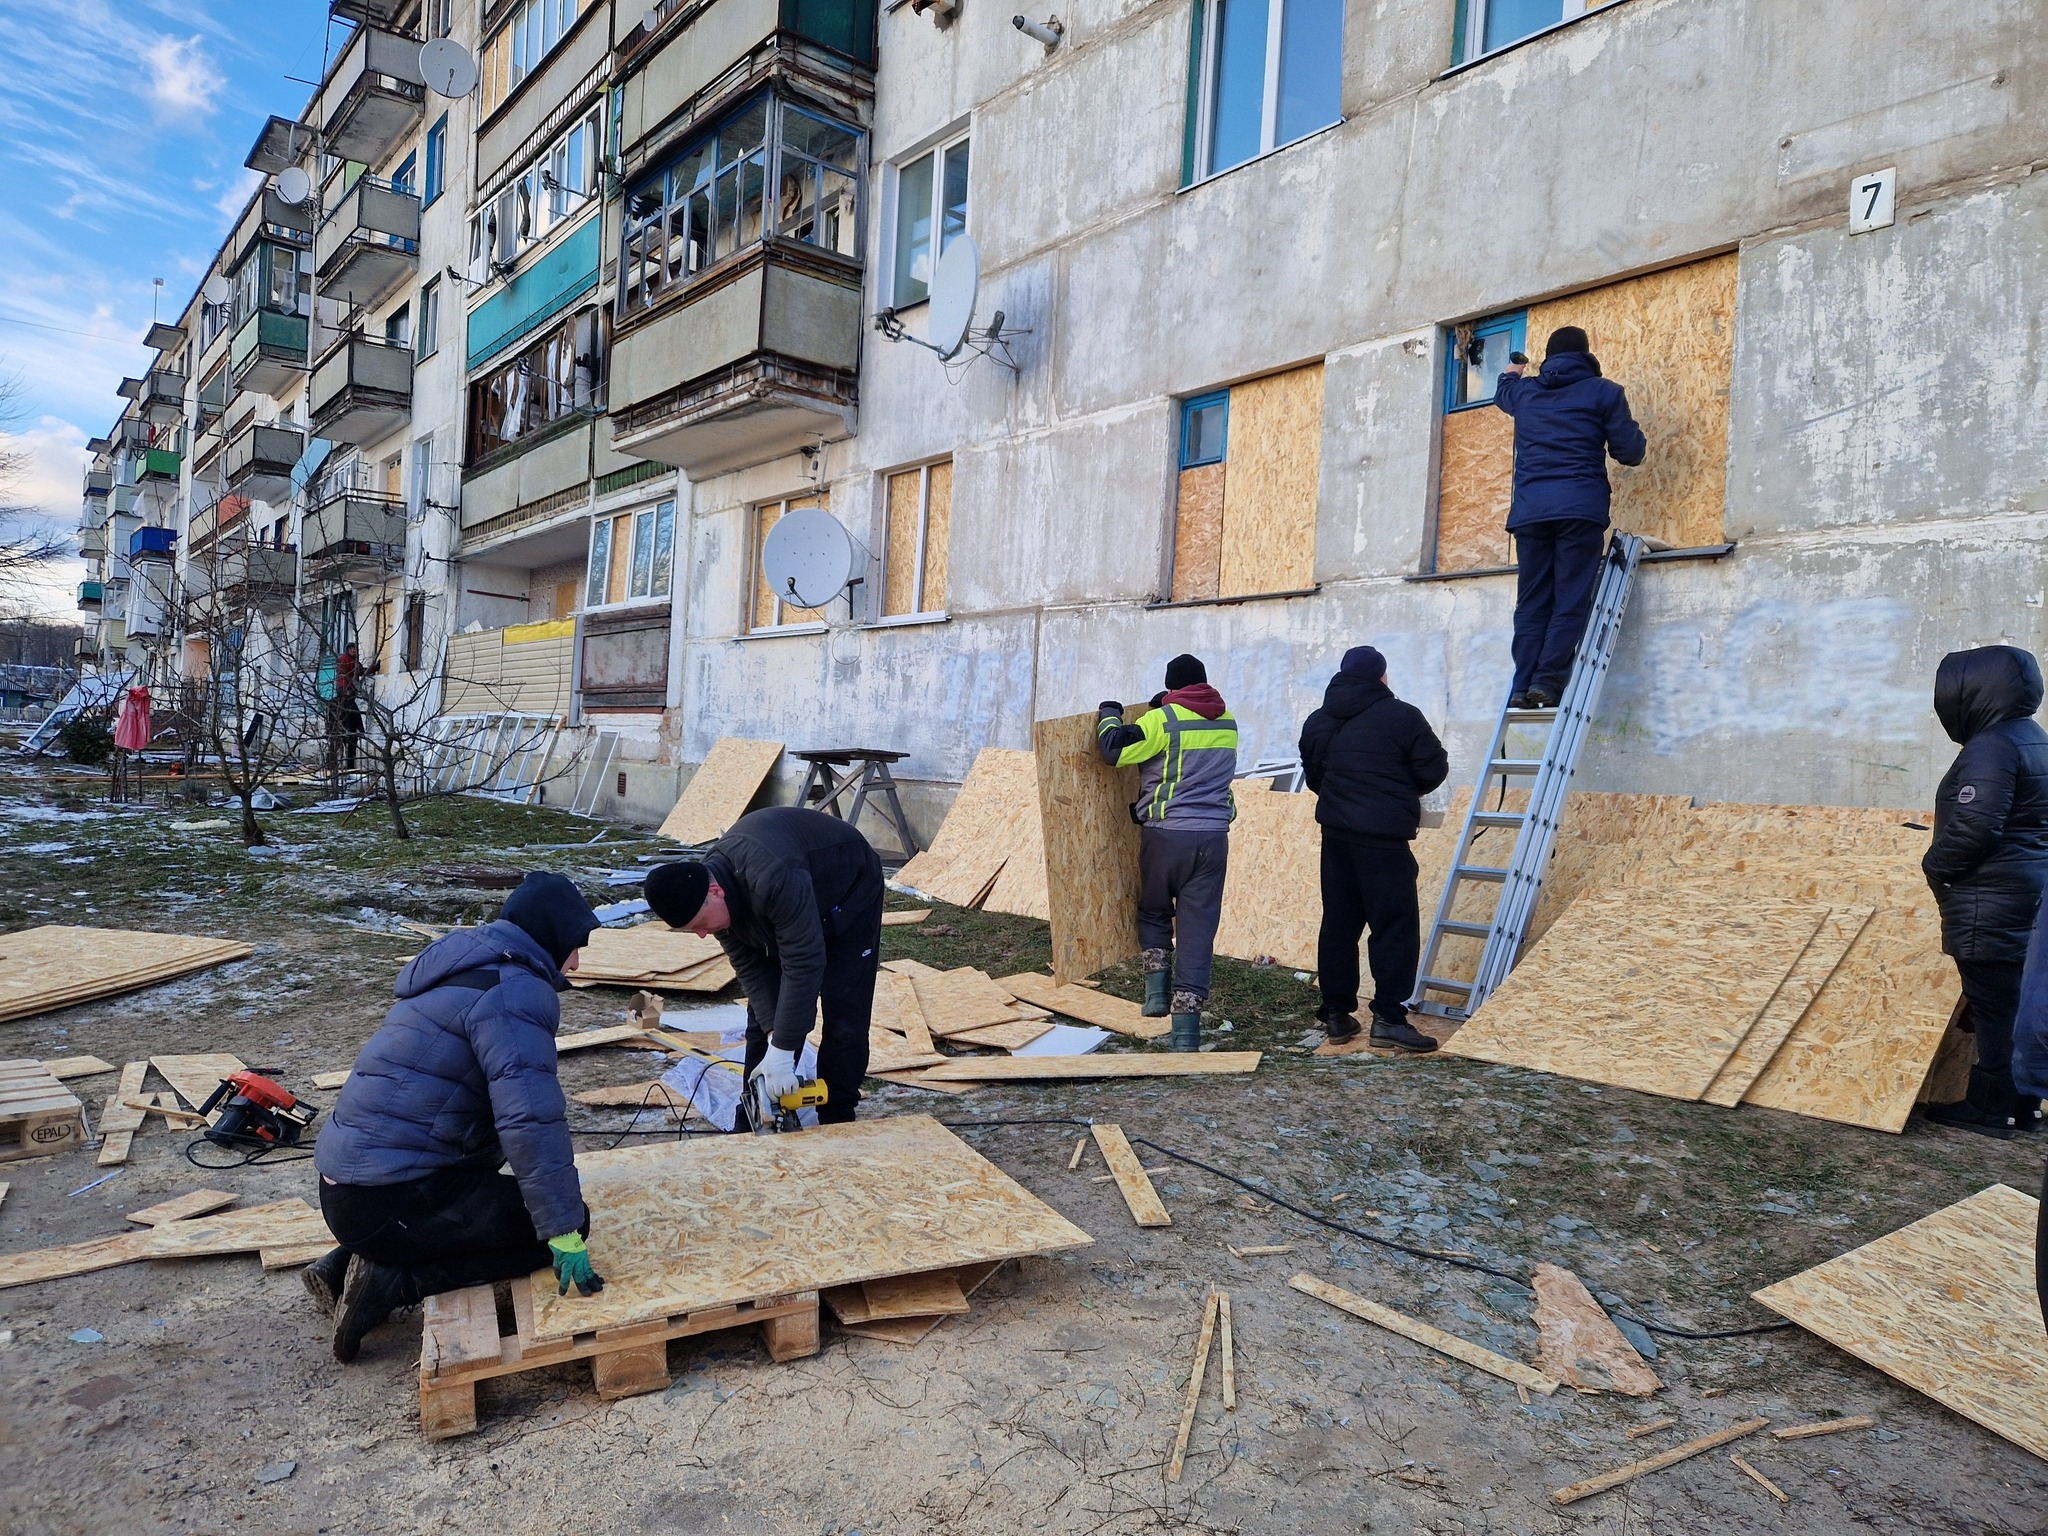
1568,420
459,1080
1988,863
1186,745
795,899
1369,758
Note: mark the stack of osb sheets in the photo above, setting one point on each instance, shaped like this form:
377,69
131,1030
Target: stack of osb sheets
990,850
654,956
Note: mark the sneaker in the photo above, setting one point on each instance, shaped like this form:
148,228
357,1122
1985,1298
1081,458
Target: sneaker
370,1294
324,1278
1341,1030
1400,1035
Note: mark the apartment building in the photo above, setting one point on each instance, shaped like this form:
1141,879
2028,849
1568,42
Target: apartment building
578,339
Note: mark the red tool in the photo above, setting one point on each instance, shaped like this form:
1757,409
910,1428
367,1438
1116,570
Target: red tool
259,1113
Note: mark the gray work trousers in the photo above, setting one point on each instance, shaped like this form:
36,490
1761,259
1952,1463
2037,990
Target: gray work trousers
1180,899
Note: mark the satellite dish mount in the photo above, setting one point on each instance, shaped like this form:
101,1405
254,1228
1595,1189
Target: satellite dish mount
949,318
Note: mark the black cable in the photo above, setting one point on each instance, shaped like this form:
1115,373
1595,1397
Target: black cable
301,1151
1411,1251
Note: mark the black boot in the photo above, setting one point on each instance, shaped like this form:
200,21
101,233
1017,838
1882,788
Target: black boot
1989,1108
1400,1035
1187,1023
370,1294
324,1278
2026,1115
1341,1028
1158,984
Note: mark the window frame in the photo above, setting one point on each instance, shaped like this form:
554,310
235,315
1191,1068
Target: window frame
435,154
1188,408
1198,154
1512,323
496,242
624,544
1468,33
801,501
427,330
939,151
920,614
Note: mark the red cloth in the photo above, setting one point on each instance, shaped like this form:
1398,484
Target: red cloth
131,730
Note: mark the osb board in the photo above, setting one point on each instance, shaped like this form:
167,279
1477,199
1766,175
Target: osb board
197,1076
1086,1004
904,496
75,1258
1198,533
963,999
720,791
1272,890
1579,1343
712,1221
1475,484
651,949
1947,1306
993,819
938,539
1020,888
1788,1005
1025,1069
1645,990
896,1008
1270,484
1002,1037
57,966
282,1224
1668,339
1091,849
910,1330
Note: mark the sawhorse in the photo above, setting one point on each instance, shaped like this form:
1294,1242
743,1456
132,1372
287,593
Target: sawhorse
830,775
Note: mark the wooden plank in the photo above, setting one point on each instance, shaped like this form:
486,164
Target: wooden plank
926,1295
1635,1469
1760,1480
654,1095
896,1007
67,1067
611,1034
1788,1005
282,1223
1198,533
962,999
1650,1428
74,1258
993,818
58,966
1085,1004
182,1207
1024,1069
293,1255
119,1123
892,1053
1229,1352
1475,485
1003,1037
1579,1343
921,1079
938,537
1194,1397
1823,1427
327,1082
1271,484
1414,1328
196,1076
721,789
1147,1210
710,1221
1946,1305
905,919
1649,990
911,1330
1091,849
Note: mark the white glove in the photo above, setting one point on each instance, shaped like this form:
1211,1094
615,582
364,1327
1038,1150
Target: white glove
776,1075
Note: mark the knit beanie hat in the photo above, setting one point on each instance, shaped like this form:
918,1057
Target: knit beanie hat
552,912
1567,338
676,892
1365,662
1184,671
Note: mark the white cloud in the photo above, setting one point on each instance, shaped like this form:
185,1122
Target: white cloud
182,80
51,483
233,200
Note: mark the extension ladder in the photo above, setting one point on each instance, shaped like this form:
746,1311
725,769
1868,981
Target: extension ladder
1535,750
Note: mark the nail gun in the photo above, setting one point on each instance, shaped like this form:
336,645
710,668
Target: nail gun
773,1115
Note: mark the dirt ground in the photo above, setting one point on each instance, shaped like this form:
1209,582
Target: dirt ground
174,1395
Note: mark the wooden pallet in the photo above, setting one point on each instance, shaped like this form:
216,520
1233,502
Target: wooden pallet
39,1116
464,1341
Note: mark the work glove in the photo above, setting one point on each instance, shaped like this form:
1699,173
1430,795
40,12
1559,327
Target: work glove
1109,707
572,1265
777,1074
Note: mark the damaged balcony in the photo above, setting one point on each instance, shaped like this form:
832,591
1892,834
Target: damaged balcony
353,533
369,244
258,577
375,97
361,389
260,461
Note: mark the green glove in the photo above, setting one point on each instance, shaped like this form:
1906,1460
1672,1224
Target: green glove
572,1264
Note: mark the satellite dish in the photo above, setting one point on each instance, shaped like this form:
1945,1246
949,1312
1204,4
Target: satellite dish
808,557
293,184
216,291
448,68
955,287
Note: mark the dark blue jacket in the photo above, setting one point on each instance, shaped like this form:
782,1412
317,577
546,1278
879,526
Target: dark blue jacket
2030,1029
1567,420
462,1075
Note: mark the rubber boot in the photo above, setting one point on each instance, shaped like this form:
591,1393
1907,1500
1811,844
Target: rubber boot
1187,1023
1158,984
2026,1115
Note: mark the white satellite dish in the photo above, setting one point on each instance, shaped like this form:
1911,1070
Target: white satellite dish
955,287
448,68
293,184
216,291
808,558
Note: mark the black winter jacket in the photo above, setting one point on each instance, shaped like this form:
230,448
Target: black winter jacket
1988,862
1369,758
794,879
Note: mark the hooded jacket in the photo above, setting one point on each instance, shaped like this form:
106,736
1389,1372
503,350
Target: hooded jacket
2030,1026
1988,861
1568,419
1369,758
1186,754
462,1075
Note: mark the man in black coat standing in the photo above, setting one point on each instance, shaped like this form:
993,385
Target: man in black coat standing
1988,861
1369,758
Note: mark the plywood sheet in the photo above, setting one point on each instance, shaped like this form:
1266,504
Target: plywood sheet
953,1001
1650,990
1270,484
1272,890
903,512
74,1258
720,791
1146,1208
1025,1069
1086,1004
1788,1004
938,539
992,819
197,1076
1947,1306
282,1224
1091,849
58,966
1668,339
716,1220
1579,1343
900,1296
119,1121
1475,485
63,1068
198,1203
1198,534
1003,1037
896,1008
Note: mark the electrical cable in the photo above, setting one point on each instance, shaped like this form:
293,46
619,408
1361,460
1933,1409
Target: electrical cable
1433,1255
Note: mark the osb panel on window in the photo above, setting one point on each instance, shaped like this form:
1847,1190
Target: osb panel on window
899,545
1269,484
1198,533
1473,490
1091,849
938,539
762,613
1669,340
1947,1306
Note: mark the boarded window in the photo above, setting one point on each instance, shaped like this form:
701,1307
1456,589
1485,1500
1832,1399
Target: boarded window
765,610
919,514
1669,340
1245,512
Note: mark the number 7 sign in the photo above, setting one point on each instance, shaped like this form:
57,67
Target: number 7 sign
1873,197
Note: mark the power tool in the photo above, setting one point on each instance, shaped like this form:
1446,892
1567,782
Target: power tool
774,1115
260,1114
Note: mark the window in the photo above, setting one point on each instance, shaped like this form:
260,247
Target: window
561,183
429,335
1266,72
931,193
1245,505
517,48
437,159
398,326
765,610
408,168
1478,354
545,381
917,531
413,639
440,18
1485,25
271,278
420,489
632,556
712,199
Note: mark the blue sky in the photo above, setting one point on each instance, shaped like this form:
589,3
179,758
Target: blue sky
122,132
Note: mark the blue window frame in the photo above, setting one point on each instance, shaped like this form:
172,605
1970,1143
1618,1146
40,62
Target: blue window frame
1204,429
408,168
437,160
1477,354
1486,26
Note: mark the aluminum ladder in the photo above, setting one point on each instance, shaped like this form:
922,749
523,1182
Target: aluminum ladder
1536,749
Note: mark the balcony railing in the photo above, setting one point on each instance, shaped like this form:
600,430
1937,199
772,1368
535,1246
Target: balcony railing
151,543
353,531
159,466
260,460
268,352
92,544
91,594
163,395
369,244
99,482
361,389
375,97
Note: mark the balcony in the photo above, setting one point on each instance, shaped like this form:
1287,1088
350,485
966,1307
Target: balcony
259,577
354,533
132,435
162,397
209,523
151,543
369,244
375,97
268,352
361,389
123,500
91,594
260,462
159,466
99,483
92,544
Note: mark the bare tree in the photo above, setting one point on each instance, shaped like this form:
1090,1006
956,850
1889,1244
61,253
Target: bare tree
28,537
